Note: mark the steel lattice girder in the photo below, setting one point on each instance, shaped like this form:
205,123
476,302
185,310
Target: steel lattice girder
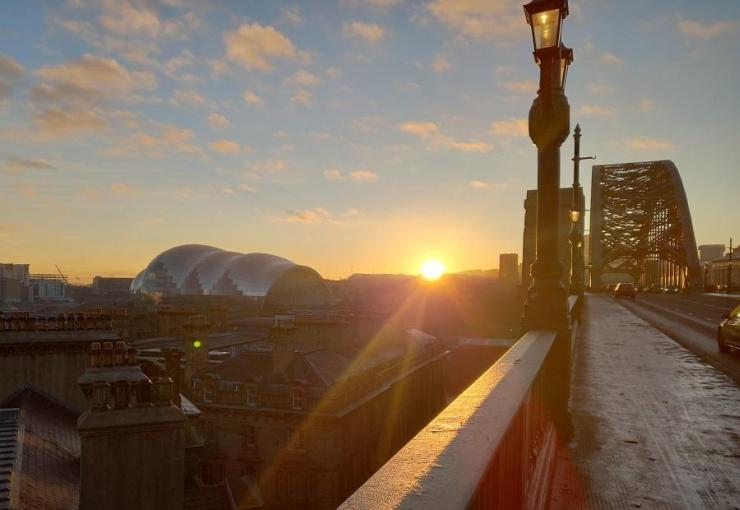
639,213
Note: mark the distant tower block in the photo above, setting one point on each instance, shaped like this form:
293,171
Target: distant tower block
196,345
508,268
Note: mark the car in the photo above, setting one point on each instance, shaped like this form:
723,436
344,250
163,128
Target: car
625,290
728,333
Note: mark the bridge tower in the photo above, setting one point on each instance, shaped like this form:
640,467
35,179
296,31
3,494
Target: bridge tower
641,226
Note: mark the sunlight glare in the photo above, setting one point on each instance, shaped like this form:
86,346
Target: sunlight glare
432,269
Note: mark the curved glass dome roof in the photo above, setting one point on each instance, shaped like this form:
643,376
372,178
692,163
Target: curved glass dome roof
201,269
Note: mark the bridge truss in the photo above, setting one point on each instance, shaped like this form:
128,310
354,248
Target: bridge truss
641,226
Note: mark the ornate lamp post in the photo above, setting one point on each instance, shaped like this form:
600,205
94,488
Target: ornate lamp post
549,123
577,219
546,306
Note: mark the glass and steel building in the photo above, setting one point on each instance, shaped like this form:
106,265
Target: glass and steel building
195,269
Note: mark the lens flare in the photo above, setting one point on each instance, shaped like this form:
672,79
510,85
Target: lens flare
432,269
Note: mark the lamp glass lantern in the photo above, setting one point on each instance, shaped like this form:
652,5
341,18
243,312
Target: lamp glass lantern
545,17
566,58
575,216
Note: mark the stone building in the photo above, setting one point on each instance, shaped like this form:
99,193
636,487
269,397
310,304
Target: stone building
529,248
310,419
49,353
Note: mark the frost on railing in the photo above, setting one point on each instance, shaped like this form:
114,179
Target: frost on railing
492,447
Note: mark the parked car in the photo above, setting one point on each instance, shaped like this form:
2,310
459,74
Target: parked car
625,290
728,333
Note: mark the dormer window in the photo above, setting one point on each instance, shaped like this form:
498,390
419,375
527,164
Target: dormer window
298,398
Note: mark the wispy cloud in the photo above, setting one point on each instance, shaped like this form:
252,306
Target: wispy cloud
423,128
10,74
256,46
17,165
252,99
706,31
319,215
218,121
302,97
497,20
649,144
521,86
368,32
363,175
612,59
595,110
230,147
441,64
302,78
510,128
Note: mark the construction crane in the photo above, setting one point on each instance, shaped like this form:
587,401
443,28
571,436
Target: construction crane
64,276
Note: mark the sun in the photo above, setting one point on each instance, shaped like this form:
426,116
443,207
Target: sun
432,269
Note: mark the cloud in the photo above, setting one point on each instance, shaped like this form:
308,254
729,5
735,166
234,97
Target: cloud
15,165
405,86
381,4
55,122
87,79
255,46
225,147
594,110
121,189
367,125
611,58
270,166
363,175
368,32
319,215
600,88
646,105
292,14
497,20
187,97
302,97
174,64
522,86
252,99
478,184
441,64
510,128
216,120
168,140
124,18
706,31
477,146
649,144
246,187
10,73
333,174
420,128
302,78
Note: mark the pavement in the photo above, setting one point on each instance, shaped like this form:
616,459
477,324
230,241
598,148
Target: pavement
654,425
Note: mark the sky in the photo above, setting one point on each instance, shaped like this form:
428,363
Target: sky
347,135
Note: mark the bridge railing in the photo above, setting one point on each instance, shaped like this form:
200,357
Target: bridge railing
492,447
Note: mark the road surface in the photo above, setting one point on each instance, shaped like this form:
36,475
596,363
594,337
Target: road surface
691,320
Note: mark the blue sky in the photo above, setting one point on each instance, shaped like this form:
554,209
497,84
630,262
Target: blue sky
349,135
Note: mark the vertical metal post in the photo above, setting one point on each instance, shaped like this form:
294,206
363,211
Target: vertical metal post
729,269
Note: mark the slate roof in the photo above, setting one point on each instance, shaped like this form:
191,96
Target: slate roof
9,458
49,474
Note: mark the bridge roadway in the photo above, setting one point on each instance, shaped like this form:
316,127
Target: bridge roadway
692,321
654,425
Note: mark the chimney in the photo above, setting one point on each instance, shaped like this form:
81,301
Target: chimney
133,437
282,338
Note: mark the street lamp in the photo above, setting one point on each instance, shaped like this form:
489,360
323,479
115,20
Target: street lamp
576,219
546,306
549,123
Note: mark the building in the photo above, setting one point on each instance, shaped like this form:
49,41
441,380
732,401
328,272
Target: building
14,281
48,287
111,286
508,268
529,251
198,270
710,252
49,353
308,420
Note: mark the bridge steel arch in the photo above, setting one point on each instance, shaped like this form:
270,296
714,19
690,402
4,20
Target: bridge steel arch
641,225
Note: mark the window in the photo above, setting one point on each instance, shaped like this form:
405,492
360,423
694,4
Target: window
211,472
296,440
298,398
250,437
210,432
251,397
